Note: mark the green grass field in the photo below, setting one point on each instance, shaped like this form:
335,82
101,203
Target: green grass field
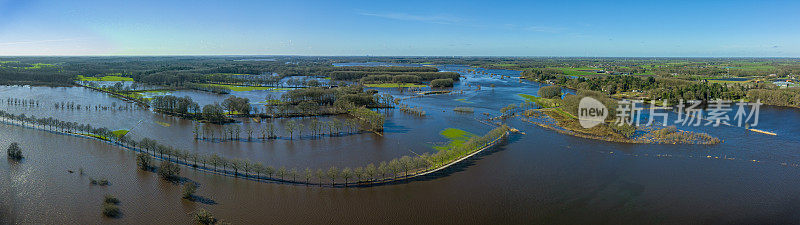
543,102
120,133
457,138
564,113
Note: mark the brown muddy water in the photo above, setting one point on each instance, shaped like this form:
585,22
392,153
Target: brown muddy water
539,178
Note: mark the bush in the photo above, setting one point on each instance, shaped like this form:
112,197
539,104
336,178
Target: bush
464,109
110,199
507,109
550,92
188,190
442,83
664,132
14,152
624,129
202,216
101,182
110,210
169,170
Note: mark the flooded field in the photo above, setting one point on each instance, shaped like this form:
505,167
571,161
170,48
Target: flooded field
539,177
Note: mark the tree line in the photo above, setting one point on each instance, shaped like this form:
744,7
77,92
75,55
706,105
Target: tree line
422,76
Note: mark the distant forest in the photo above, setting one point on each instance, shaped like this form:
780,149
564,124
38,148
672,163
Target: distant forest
650,78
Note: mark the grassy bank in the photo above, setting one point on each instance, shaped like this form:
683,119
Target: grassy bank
543,102
567,123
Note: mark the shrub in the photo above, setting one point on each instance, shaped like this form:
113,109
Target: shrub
442,83
550,92
110,199
202,216
101,182
664,132
110,210
14,152
507,109
169,170
188,190
624,129
464,109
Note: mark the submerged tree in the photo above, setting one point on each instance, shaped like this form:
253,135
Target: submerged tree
320,175
293,173
333,172
213,112
269,171
169,170
359,173
188,190
14,151
290,128
143,161
282,172
236,104
346,174
201,216
370,171
308,174
110,208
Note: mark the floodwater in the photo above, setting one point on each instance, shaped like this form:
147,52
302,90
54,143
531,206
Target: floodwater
540,177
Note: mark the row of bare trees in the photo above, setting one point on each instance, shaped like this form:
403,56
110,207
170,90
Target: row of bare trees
394,169
314,128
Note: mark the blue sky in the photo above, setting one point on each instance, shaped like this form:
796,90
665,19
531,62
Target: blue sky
439,28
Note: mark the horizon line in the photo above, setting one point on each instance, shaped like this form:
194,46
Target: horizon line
434,56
